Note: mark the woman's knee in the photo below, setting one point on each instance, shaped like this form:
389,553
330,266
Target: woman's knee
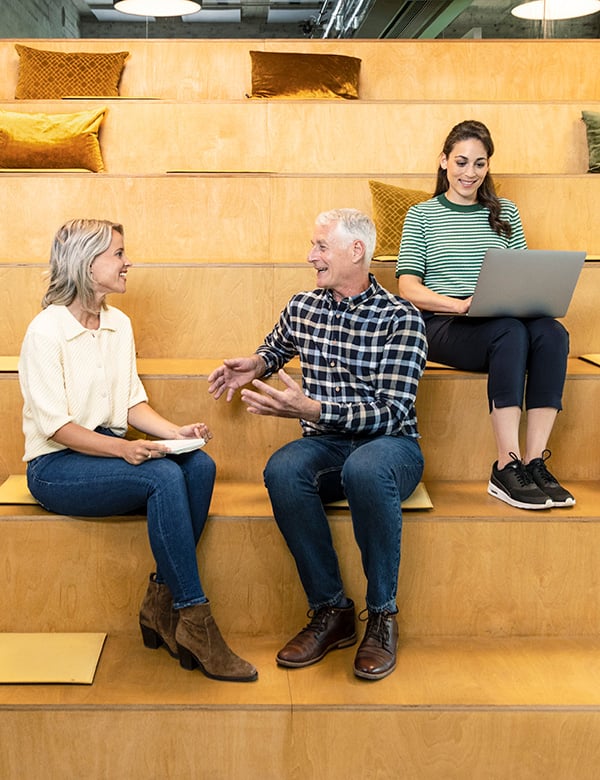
549,333
204,466
511,335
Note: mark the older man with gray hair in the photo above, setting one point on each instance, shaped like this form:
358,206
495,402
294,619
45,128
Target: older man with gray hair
362,351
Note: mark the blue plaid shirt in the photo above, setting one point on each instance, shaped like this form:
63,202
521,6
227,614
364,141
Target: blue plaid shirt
361,357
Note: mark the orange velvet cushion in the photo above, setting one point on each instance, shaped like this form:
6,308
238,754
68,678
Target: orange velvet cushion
51,140
293,75
390,204
48,75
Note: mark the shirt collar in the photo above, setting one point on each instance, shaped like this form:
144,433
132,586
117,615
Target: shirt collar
73,328
356,300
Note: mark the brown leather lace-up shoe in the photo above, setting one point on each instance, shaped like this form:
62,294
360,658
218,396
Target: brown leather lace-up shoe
376,655
330,628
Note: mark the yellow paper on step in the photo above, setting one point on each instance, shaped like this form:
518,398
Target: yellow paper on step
592,358
49,657
433,364
15,491
8,363
418,499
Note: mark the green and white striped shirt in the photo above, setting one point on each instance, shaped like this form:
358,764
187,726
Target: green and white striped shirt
443,243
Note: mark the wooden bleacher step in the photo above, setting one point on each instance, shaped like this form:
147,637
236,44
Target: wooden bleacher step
453,709
178,386
471,566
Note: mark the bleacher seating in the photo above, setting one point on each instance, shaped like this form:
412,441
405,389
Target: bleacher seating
499,666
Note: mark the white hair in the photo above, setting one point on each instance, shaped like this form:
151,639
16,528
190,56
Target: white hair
355,224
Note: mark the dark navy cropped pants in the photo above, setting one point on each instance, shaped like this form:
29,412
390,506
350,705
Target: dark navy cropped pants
525,359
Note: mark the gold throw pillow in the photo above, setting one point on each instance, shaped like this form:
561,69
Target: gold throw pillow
293,75
51,140
49,75
390,204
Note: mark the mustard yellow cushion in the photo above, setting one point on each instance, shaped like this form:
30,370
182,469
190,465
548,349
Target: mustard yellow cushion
51,140
293,75
48,75
390,204
592,126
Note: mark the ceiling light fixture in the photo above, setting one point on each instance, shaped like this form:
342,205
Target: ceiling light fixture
157,7
556,9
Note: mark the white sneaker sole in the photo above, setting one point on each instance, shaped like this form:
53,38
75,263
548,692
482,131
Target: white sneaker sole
495,491
567,502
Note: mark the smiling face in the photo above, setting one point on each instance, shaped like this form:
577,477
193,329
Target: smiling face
109,269
466,166
338,260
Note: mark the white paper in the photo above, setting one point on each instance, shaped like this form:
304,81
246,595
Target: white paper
178,446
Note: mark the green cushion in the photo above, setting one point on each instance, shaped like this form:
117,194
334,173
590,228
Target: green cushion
592,126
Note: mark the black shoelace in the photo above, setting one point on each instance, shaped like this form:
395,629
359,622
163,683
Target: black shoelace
520,470
542,470
377,627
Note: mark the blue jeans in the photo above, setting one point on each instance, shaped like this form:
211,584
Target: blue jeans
175,492
375,474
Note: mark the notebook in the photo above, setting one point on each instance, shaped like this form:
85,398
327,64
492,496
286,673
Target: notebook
526,283
179,446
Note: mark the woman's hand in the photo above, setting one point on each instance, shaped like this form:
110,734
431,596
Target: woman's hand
196,430
463,304
137,451
412,289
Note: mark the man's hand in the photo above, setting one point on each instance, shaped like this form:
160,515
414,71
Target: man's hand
233,374
290,402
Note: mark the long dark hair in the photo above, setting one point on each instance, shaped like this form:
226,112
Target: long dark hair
486,194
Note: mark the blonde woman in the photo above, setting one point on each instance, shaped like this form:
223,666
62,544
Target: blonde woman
81,393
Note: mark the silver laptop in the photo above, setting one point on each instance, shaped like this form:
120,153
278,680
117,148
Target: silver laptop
526,283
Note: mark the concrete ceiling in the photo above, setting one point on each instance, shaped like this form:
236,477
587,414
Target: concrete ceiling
333,19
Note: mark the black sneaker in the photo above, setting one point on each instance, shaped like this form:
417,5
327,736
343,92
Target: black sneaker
515,485
548,482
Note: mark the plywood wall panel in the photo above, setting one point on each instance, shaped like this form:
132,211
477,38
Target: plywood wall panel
206,219
407,138
518,70
327,137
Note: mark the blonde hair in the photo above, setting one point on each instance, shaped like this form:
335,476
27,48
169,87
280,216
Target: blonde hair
75,246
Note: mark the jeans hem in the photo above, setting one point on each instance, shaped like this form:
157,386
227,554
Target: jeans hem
326,604
190,603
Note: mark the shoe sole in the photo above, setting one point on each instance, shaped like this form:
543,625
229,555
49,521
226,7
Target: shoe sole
567,502
497,493
301,664
189,662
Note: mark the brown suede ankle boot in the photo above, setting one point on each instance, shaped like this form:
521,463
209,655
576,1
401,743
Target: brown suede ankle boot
199,643
158,619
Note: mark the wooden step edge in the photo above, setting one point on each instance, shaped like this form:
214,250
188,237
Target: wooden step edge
453,501
200,368
537,674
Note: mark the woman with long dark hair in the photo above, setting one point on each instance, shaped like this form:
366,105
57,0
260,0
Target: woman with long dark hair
443,243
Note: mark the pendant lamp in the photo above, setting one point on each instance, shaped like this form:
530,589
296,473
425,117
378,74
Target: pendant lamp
157,7
556,9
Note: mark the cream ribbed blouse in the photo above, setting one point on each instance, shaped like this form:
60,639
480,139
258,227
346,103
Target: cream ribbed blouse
71,374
